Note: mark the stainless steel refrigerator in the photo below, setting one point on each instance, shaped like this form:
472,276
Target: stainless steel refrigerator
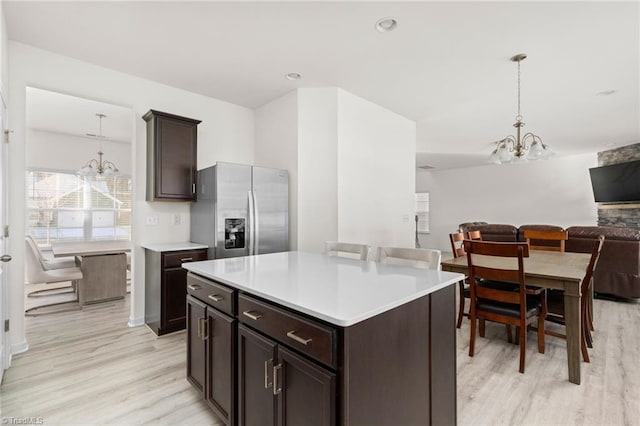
241,210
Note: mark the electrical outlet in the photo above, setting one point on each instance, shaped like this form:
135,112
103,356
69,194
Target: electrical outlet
177,219
153,220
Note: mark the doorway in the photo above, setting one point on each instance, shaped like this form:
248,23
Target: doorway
78,170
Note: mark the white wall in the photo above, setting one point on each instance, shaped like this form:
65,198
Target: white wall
276,145
43,151
553,192
355,167
318,168
376,174
225,134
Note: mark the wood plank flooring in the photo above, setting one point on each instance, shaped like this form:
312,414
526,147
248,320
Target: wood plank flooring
88,367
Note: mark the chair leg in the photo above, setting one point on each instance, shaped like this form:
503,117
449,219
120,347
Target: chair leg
541,334
461,309
509,338
585,338
523,347
472,335
481,328
73,306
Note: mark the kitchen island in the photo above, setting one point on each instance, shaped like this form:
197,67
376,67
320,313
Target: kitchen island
304,338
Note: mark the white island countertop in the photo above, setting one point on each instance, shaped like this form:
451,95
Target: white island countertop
340,291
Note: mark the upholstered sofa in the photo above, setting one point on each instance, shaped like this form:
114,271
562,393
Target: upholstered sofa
618,269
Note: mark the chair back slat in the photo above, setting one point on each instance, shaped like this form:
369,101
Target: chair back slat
351,250
541,239
419,258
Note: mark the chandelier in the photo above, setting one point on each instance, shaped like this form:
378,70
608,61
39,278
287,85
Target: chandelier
98,167
517,149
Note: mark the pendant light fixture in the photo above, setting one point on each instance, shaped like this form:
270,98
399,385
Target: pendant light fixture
516,148
100,167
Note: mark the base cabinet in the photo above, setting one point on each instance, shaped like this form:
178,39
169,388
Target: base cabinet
261,364
279,387
166,288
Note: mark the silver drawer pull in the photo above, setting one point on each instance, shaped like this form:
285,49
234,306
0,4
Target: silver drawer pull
292,334
215,297
268,366
186,259
276,388
194,287
251,315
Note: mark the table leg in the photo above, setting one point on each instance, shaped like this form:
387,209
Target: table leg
572,323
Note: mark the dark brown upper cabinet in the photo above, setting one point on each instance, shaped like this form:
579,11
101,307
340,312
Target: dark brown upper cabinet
172,145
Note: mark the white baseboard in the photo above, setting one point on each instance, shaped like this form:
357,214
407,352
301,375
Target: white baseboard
19,348
135,322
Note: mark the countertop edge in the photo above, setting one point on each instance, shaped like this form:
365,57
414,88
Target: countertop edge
346,322
165,247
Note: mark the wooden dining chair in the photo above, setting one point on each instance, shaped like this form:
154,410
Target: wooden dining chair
546,240
555,301
354,251
516,305
464,292
419,258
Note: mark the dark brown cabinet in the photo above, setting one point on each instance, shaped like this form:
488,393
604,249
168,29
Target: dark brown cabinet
211,347
288,368
172,144
279,387
166,288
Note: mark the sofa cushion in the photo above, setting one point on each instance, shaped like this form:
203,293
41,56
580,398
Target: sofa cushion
496,232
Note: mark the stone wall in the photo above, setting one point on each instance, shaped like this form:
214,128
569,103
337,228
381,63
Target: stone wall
621,215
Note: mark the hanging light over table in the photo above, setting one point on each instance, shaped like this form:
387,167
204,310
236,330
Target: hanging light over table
517,149
98,167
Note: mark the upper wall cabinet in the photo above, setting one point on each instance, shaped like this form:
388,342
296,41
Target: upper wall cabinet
172,143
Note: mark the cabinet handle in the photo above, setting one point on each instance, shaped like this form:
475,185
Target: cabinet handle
268,365
186,259
251,315
215,297
276,388
292,334
193,287
203,328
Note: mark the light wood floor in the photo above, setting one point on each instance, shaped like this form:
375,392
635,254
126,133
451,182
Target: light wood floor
88,367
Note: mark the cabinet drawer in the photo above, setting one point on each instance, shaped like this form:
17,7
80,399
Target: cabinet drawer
213,294
176,258
314,339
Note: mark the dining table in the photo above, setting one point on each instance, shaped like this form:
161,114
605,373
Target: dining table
553,270
103,264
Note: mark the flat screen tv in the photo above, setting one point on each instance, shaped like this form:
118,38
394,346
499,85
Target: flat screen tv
616,183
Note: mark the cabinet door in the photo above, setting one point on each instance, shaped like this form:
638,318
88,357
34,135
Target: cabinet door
256,402
307,392
196,352
221,372
174,293
171,156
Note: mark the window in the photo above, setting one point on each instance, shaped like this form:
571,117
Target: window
422,212
63,206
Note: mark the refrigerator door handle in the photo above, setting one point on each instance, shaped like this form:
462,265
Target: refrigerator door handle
256,224
251,223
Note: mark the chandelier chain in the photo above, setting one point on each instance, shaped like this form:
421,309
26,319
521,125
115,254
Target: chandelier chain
519,116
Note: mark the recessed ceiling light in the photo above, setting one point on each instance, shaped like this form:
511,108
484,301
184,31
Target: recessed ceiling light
606,92
293,76
384,25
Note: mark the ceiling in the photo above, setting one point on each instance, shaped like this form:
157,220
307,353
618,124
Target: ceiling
70,115
446,66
